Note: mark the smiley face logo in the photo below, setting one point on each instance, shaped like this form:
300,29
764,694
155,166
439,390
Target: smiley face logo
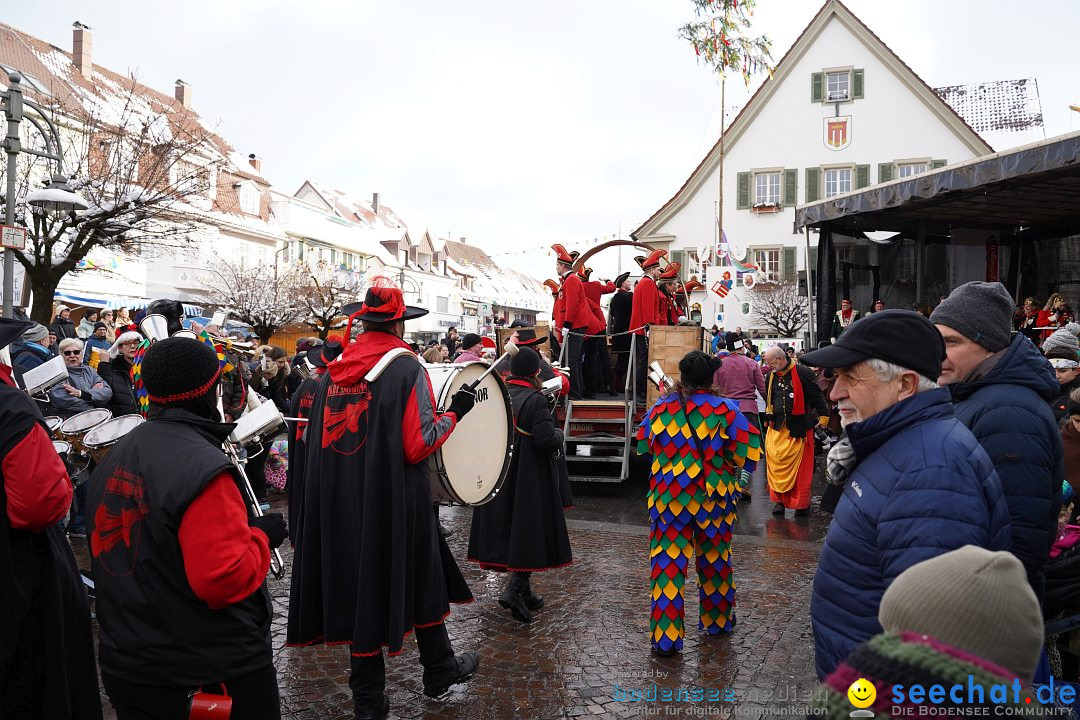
862,693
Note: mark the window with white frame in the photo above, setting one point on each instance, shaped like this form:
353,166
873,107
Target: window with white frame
424,261
837,86
911,168
249,199
193,178
766,188
837,181
442,304
768,261
348,260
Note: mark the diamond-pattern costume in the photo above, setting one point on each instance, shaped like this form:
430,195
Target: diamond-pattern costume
692,507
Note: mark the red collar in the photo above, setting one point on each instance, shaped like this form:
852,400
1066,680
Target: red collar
521,383
359,357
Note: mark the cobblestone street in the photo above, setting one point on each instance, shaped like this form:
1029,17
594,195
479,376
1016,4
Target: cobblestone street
587,650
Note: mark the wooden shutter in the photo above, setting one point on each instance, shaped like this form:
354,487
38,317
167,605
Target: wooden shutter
742,196
677,257
886,172
791,187
862,176
787,265
935,164
813,183
857,84
817,83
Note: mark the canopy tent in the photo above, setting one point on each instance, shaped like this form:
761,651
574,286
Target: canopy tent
115,302
1017,210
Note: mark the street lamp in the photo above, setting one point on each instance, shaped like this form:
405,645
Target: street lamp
57,196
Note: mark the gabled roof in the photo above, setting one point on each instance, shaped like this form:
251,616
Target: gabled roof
359,211
1005,113
830,10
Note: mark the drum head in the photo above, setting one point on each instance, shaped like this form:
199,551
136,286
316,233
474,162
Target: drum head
54,422
111,431
82,422
476,456
61,447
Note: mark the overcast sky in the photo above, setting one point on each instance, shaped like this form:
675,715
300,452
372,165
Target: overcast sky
515,124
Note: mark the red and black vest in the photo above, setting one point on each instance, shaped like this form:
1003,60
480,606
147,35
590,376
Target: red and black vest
154,630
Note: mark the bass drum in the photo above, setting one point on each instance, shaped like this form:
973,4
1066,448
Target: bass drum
100,439
471,465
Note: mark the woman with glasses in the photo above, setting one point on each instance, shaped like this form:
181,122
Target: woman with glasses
85,389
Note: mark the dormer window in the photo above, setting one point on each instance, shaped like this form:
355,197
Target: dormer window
249,198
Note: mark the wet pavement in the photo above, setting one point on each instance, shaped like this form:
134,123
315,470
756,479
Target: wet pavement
586,653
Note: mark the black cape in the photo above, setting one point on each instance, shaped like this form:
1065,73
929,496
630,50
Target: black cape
300,407
369,564
622,304
45,634
523,527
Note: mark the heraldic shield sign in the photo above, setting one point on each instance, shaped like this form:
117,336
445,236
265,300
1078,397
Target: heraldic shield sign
837,132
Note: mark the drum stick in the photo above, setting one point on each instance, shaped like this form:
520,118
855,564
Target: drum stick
509,350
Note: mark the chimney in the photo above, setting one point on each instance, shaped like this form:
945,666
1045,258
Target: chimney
255,162
464,240
375,202
82,49
183,93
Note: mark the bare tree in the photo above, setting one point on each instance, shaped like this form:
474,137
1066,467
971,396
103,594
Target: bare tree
325,291
780,306
136,164
260,296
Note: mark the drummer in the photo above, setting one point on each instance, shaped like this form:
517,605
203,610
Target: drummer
47,650
370,567
84,390
179,565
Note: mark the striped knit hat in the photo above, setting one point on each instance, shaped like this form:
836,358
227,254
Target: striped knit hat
907,659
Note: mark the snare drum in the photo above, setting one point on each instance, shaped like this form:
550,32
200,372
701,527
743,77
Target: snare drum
54,422
61,447
77,426
471,465
99,440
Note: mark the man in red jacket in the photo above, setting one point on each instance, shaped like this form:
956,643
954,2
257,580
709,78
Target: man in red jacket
555,332
645,312
46,647
574,317
598,372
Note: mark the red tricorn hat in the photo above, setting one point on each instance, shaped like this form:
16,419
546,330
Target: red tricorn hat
692,284
563,256
653,259
552,285
584,272
671,271
488,343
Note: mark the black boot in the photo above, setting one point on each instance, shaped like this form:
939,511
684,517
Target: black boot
373,713
513,599
532,600
465,666
778,509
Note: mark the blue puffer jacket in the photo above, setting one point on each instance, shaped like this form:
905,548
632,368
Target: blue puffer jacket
922,487
1007,411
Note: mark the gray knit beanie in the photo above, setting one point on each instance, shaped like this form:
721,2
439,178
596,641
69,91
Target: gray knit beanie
980,310
38,333
1065,337
973,599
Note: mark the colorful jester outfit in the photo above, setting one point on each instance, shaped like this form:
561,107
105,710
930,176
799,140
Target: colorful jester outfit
692,506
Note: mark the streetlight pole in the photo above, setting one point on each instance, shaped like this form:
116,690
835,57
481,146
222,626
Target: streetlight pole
12,105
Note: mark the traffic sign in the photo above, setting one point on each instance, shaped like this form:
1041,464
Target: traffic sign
13,237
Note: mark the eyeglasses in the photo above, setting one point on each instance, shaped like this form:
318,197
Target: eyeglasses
72,352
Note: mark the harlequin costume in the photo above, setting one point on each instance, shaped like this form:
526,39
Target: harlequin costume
691,511
370,567
794,403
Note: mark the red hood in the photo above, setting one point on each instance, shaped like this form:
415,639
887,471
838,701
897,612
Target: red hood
6,375
359,357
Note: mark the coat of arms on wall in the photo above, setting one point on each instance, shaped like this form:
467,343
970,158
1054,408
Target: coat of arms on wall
837,132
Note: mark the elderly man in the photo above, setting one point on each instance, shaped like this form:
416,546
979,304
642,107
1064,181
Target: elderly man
917,482
85,389
793,405
1002,388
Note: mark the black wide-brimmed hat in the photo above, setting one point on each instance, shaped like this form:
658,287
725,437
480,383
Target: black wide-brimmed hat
621,279
383,303
325,353
12,329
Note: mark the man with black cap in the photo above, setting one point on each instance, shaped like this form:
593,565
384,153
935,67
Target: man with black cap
472,348
645,312
1002,388
622,304
370,567
317,358
46,647
917,483
179,563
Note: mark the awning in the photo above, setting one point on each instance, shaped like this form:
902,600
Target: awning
1032,190
115,302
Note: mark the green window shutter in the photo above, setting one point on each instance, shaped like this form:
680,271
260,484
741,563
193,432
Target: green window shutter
812,184
791,187
935,164
857,84
817,83
787,266
886,172
677,256
742,199
862,176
